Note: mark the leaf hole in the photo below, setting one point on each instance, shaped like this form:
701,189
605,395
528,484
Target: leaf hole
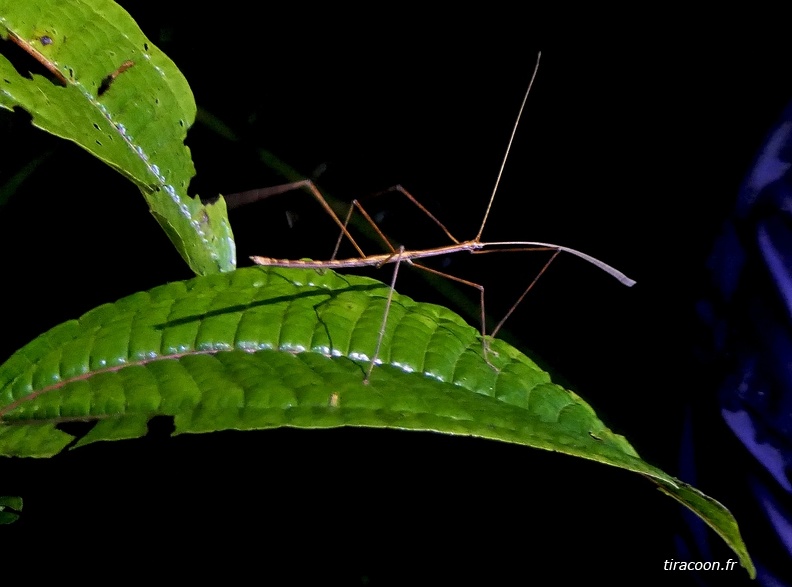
27,60
145,47
105,85
76,428
96,126
161,427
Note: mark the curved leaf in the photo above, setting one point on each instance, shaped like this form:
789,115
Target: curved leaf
116,95
10,506
268,347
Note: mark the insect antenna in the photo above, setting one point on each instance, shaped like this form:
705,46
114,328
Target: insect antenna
508,148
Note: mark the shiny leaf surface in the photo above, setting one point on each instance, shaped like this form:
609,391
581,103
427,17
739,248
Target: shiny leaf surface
99,82
268,347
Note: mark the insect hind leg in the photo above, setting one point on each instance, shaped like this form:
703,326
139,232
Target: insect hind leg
250,196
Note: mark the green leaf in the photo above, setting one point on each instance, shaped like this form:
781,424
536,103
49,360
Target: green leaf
268,347
9,503
112,92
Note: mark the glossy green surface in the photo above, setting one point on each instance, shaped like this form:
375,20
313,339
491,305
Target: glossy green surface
268,347
112,92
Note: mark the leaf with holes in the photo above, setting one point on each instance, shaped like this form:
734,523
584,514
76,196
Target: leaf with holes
112,92
268,347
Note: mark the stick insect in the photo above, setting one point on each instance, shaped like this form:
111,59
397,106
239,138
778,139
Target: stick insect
399,255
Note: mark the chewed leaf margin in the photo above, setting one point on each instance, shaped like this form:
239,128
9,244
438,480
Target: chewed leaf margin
268,347
115,94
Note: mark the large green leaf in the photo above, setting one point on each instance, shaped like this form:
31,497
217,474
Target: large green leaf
112,92
268,347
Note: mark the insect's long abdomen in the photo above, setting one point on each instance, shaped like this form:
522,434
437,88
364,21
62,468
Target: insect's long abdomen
329,264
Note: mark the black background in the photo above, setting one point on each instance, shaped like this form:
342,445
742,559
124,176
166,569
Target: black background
632,147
